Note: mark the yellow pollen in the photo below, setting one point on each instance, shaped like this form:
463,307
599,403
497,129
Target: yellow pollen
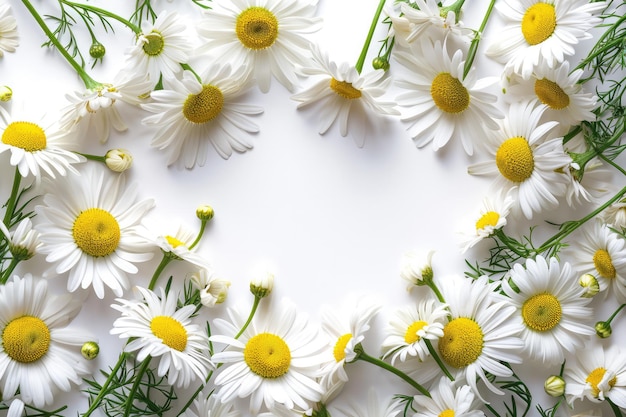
25,135
461,343
411,335
267,355
344,89
515,160
155,44
339,351
541,312
449,94
488,219
170,331
26,339
551,94
594,379
96,232
446,413
204,106
538,23
603,263
257,28
173,241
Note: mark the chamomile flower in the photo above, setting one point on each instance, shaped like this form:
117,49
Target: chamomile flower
265,36
601,252
440,103
9,38
372,407
553,316
91,227
447,401
24,242
159,329
597,374
191,114
492,216
541,31
274,361
213,290
587,185
211,406
411,326
480,334
344,96
39,353
416,268
526,161
615,215
36,147
179,246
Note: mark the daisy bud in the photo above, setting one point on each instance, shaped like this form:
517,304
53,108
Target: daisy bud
380,63
590,284
554,386
212,290
90,350
118,160
417,269
205,212
97,50
25,241
603,329
261,285
5,93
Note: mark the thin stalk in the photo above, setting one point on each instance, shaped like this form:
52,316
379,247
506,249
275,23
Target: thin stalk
9,270
471,54
8,215
435,356
135,387
615,408
157,272
255,305
431,284
96,402
368,39
615,313
104,12
200,233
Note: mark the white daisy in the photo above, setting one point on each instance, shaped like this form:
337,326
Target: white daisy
587,185
446,401
9,38
213,290
480,334
551,313
39,354
409,328
615,215
264,36
178,246
24,242
597,374
601,252
91,226
211,406
541,31
160,48
343,95
416,268
275,360
492,216
157,328
525,161
35,147
441,103
191,114
371,407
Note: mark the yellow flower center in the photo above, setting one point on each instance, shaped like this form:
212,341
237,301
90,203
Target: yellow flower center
446,413
155,44
96,232
514,159
170,331
488,219
257,28
541,312
449,94
344,89
267,355
173,241
204,106
594,379
411,335
339,351
551,94
25,135
26,339
604,265
461,343
538,23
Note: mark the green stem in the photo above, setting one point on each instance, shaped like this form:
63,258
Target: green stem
89,82
6,274
255,305
610,319
135,387
188,67
8,215
595,51
195,394
103,12
437,359
96,402
200,233
471,54
157,272
431,284
615,408
370,34
97,158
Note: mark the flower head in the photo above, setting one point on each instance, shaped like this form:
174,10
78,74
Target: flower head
447,401
492,216
9,38
213,290
261,284
554,386
179,246
417,268
118,160
24,242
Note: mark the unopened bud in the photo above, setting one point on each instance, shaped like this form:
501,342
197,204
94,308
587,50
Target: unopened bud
380,63
205,212
262,285
603,329
118,160
554,386
5,93
97,50
590,284
90,350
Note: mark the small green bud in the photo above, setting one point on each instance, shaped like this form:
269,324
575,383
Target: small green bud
603,329
90,350
97,50
6,93
262,285
380,63
590,284
554,386
205,212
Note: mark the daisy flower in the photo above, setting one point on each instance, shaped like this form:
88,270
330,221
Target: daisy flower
525,161
160,48
161,330
211,406
91,226
417,268
372,407
492,217
587,185
446,401
9,39
274,361
178,246
264,36
615,215
597,374
213,290
541,31
480,334
440,103
24,242
410,327
601,252
36,147
551,312
192,113
343,95
39,353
